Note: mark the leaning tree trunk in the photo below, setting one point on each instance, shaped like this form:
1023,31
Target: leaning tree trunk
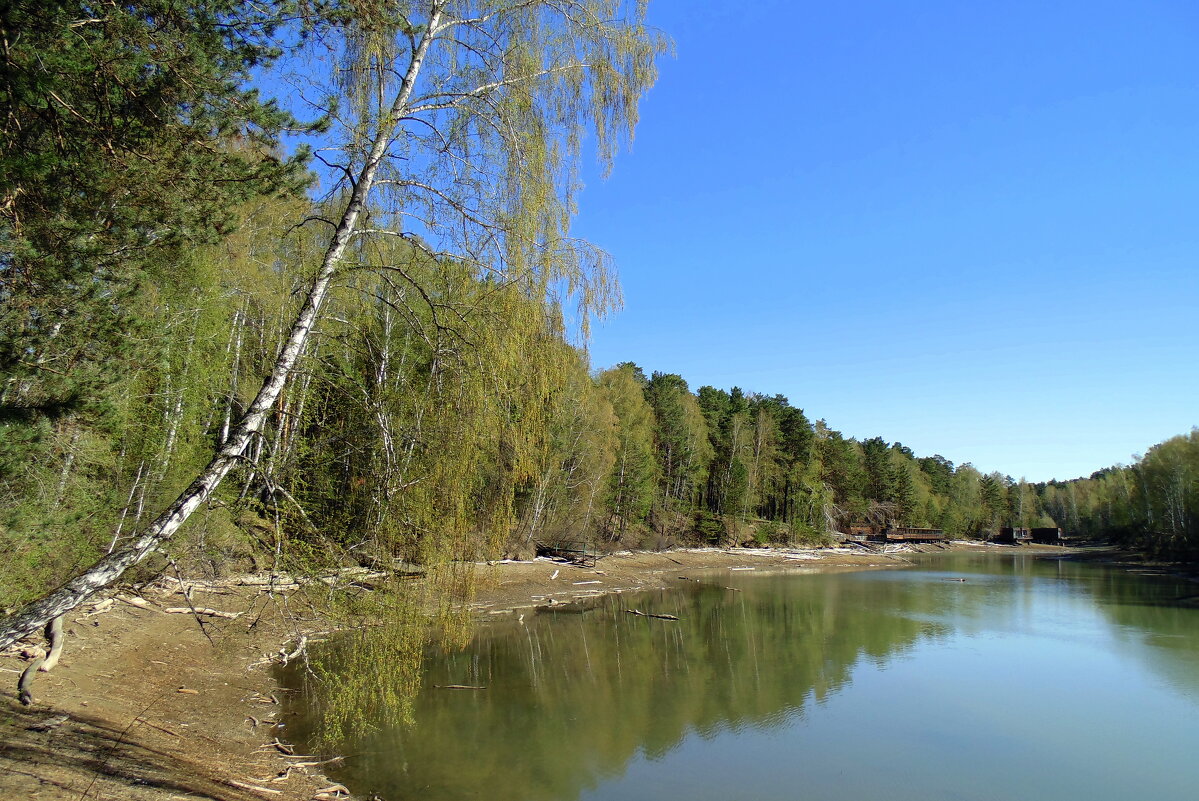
110,568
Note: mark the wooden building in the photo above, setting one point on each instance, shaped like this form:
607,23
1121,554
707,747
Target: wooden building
1013,536
865,533
911,534
1047,536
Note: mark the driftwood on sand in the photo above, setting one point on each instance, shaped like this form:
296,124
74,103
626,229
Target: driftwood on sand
42,664
201,610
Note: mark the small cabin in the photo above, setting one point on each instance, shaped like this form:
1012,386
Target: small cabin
912,534
1013,536
1047,536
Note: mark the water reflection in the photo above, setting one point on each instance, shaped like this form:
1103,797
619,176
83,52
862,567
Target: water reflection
1155,618
575,697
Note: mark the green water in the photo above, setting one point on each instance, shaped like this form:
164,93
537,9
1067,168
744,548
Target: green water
1033,679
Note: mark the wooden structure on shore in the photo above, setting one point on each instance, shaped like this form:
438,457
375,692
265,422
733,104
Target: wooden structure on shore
912,534
1047,536
861,534
1013,536
865,533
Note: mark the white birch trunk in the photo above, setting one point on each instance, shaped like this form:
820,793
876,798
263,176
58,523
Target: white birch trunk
110,567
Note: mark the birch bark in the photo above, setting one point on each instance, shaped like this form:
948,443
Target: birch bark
110,567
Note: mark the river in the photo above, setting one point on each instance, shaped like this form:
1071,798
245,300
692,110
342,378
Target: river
1031,679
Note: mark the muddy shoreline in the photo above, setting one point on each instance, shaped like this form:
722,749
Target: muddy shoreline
149,705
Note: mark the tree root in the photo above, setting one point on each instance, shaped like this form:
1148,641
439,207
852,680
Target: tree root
44,663
54,634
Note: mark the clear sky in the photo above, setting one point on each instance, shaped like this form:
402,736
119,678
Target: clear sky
968,227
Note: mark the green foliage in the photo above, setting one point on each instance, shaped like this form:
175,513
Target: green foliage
709,528
903,488
681,437
879,474
127,144
1152,505
125,140
842,470
98,471
635,473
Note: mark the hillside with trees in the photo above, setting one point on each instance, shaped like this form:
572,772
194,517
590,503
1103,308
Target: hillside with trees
205,363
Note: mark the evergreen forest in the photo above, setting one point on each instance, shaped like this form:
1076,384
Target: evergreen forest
163,227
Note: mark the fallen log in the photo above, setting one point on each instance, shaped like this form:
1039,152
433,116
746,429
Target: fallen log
276,581
651,614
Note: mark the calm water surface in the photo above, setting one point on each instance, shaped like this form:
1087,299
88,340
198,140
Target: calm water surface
1033,679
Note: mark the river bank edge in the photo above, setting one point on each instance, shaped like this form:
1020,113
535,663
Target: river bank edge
149,705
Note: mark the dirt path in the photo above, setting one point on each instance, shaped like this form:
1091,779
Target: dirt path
148,705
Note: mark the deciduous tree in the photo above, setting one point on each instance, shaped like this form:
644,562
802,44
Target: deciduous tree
462,140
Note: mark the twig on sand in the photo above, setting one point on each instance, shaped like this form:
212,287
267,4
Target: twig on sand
201,610
255,788
163,729
317,762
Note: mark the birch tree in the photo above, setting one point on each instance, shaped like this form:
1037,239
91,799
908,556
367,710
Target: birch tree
460,134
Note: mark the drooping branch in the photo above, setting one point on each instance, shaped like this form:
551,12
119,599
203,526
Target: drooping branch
487,185
112,566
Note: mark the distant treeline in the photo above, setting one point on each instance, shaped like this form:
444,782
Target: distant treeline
1152,505
437,413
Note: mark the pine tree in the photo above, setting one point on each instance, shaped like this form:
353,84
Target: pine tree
125,138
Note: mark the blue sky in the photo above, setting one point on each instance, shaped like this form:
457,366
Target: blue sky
969,229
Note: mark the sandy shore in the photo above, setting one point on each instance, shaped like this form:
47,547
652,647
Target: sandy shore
506,587
150,705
